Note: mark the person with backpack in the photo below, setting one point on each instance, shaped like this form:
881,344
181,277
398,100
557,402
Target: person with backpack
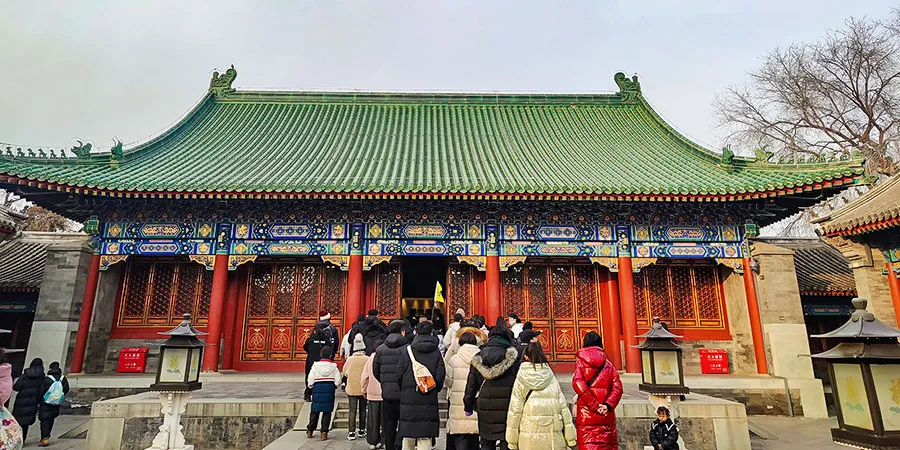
385,369
539,417
313,346
598,390
421,379
329,329
373,330
663,431
6,381
489,385
30,389
54,390
323,378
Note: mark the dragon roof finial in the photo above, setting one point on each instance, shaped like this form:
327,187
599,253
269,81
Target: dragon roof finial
629,90
221,83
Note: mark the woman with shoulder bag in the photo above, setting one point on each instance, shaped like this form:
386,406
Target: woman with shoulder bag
598,391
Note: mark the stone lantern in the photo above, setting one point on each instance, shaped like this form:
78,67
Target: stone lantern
661,361
177,376
865,376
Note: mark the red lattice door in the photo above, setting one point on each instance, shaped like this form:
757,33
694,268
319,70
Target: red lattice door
460,289
284,299
560,299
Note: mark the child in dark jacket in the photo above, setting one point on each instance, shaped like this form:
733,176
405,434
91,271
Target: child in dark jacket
47,412
324,378
663,431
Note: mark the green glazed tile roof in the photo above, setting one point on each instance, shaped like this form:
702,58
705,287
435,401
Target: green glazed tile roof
597,146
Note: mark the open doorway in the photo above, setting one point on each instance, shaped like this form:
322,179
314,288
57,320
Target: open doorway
420,275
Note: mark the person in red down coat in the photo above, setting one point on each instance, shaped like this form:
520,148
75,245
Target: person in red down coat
598,391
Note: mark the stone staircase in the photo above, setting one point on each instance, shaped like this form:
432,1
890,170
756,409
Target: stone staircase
342,411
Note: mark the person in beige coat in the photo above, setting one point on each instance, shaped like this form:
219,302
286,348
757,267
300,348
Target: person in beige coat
461,428
353,370
539,417
480,337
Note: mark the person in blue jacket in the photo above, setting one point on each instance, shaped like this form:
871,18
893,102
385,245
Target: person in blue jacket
324,379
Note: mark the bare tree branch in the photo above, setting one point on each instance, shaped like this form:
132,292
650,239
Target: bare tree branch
824,99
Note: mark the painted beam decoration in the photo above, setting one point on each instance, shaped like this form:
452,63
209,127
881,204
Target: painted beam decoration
380,240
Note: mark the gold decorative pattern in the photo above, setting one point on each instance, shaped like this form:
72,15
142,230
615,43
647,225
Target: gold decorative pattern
243,231
236,260
337,249
507,261
112,248
337,231
108,260
343,262
205,230
474,231
371,261
115,230
203,248
208,261
610,263
474,249
480,262
375,231
736,264
639,263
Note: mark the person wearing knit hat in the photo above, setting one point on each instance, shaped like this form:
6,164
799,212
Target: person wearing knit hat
353,370
331,331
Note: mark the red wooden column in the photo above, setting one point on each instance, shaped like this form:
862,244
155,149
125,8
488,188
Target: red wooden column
492,307
893,284
354,304
759,346
614,345
629,316
87,311
354,291
216,313
231,307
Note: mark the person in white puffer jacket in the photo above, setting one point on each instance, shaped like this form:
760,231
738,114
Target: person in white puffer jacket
539,417
461,428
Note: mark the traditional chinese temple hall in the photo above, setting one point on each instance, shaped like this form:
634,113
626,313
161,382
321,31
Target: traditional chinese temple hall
260,209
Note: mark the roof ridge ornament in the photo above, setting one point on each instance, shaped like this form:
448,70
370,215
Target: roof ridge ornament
116,154
221,83
629,90
82,150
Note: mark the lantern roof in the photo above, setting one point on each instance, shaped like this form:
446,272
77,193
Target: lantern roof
185,328
659,331
862,325
861,350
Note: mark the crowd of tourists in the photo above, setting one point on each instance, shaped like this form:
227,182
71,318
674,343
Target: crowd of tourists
501,390
39,395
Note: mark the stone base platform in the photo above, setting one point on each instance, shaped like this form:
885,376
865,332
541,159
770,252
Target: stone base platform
219,416
252,414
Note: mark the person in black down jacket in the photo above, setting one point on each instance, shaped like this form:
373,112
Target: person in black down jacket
489,386
385,369
419,417
313,346
49,413
663,432
29,386
373,330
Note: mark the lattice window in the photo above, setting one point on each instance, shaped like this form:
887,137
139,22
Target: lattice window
206,279
158,293
137,277
283,302
585,291
309,290
334,292
538,301
561,284
387,290
459,289
685,294
512,289
260,284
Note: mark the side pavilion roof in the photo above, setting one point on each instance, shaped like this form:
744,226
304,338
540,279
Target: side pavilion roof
365,145
877,209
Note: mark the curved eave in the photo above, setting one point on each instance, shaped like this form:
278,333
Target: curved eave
838,181
877,225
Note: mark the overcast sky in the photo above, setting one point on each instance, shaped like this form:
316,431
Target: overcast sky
94,70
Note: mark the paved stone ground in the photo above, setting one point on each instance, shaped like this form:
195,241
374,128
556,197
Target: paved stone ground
793,433
63,425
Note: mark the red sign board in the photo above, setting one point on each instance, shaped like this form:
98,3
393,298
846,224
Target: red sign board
133,360
713,360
